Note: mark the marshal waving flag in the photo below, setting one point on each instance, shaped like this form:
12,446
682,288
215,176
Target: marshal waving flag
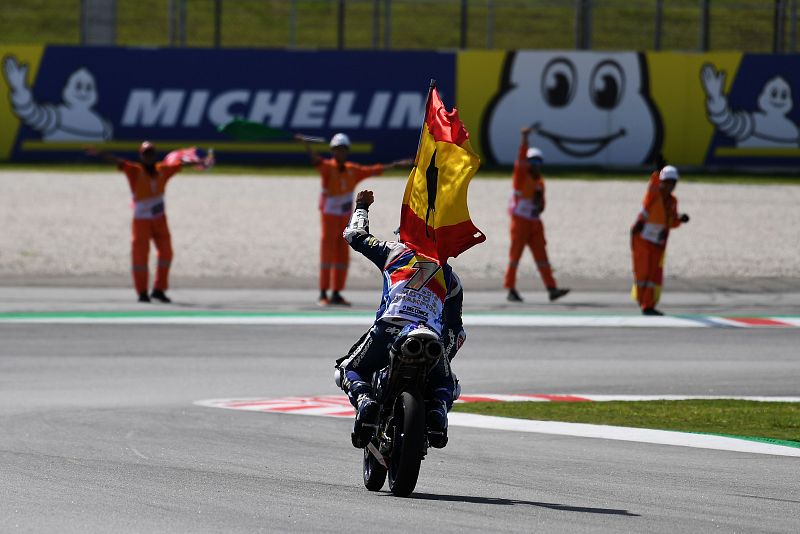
435,220
199,159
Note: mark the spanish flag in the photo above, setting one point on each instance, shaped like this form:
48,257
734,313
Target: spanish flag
434,220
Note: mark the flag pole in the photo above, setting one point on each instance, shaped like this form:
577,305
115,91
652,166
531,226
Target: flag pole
431,87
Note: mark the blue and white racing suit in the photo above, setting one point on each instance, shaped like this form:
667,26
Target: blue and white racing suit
415,290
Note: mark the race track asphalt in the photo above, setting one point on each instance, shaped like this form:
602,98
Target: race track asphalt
100,434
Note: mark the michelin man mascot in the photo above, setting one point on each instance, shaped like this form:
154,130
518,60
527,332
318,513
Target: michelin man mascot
73,120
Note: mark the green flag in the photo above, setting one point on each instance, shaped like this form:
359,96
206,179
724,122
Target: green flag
243,130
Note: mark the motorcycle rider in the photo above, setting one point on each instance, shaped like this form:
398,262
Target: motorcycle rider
415,290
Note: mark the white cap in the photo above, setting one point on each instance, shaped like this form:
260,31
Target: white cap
340,139
534,152
668,173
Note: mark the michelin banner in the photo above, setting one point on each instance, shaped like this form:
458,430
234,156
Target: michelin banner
617,109
623,109
56,100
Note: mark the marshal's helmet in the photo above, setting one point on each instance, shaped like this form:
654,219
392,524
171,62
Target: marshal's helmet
340,139
668,173
146,146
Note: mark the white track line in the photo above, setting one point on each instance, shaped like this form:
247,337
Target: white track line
201,320
499,320
635,321
338,406
619,433
606,398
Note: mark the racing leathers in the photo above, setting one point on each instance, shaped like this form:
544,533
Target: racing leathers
415,290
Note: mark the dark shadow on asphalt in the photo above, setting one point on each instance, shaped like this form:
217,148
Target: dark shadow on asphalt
763,498
516,502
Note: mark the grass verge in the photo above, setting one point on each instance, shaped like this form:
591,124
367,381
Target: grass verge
770,420
411,24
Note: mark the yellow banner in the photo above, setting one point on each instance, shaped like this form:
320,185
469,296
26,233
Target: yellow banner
624,109
676,87
478,77
20,64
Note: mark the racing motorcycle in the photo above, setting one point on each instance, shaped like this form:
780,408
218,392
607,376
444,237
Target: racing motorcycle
400,441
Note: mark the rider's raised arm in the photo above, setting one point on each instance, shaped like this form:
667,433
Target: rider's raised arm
358,236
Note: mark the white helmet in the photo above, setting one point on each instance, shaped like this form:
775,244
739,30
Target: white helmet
668,173
533,152
340,139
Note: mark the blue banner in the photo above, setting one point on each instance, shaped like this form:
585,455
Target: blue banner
117,97
756,123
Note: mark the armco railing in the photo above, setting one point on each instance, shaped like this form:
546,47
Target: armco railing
681,25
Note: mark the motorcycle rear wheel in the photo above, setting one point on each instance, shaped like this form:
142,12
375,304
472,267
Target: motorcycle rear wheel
374,472
408,444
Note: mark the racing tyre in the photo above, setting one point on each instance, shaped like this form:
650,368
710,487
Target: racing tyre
408,446
374,472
